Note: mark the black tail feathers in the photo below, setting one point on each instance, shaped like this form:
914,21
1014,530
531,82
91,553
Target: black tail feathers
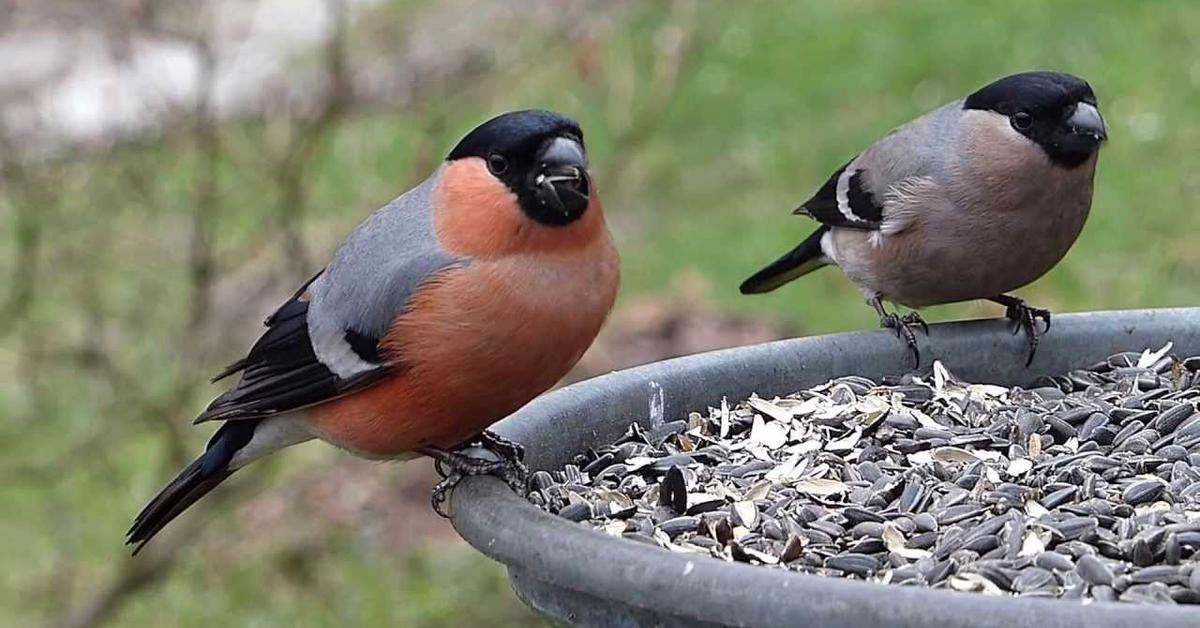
800,261
194,482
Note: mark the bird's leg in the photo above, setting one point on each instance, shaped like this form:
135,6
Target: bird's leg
454,465
1025,318
902,325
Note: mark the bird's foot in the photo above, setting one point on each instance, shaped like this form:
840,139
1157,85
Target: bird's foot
504,462
903,326
1025,318
912,319
508,449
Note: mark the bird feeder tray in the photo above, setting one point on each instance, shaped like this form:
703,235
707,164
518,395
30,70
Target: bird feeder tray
582,577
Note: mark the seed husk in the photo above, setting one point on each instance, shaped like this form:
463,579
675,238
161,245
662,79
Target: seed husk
1034,579
792,550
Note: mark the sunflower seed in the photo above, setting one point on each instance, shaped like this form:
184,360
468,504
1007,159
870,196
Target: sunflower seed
679,525
828,527
1142,492
1171,419
858,564
576,512
1094,570
1059,497
672,491
867,528
1053,561
1166,574
954,514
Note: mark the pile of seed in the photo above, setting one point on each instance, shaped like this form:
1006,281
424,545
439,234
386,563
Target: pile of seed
1086,487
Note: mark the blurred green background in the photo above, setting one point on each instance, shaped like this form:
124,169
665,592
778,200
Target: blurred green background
134,265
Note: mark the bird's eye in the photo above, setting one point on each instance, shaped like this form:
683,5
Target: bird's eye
497,164
1022,120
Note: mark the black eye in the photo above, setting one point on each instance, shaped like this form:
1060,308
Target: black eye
497,163
1022,121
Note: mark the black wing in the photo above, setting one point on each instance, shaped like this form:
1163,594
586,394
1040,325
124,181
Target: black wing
860,210
282,373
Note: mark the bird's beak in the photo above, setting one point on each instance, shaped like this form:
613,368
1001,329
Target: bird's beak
560,181
1086,120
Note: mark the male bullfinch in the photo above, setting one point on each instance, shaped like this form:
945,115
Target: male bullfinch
970,201
449,308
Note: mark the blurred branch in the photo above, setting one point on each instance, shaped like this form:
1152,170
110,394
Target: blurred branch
29,203
290,171
306,135
153,564
134,576
204,210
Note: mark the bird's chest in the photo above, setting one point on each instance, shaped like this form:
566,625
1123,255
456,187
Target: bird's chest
1011,215
1025,219
494,335
1037,219
545,311
1008,228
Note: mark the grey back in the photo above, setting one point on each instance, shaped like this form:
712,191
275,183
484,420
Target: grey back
373,275
924,147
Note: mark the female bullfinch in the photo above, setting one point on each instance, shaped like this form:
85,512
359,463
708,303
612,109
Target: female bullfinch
446,310
970,201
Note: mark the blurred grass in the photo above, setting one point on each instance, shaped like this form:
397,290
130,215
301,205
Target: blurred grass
426,589
771,97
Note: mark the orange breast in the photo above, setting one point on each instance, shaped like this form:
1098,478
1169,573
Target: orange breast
477,344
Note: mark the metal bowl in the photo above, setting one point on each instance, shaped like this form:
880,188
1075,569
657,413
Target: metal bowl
585,578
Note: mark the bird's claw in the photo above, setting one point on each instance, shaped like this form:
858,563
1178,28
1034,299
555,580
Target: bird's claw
454,465
1025,318
441,493
505,448
914,320
903,325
